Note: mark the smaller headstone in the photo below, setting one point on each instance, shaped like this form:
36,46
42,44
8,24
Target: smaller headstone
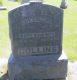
63,4
2,8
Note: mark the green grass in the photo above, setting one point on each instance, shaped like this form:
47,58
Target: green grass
4,29
3,33
69,32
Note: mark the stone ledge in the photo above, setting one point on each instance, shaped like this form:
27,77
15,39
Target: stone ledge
38,67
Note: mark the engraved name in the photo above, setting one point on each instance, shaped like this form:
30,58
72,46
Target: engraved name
36,50
44,19
36,35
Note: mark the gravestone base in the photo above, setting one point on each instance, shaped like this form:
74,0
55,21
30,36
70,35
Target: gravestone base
48,67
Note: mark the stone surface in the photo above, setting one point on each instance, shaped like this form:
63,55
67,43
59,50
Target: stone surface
38,67
36,29
27,1
63,4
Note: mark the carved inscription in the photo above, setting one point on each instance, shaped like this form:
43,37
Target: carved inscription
28,20
36,30
37,50
36,35
35,43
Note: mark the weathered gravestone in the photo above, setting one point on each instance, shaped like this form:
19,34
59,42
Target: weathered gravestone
36,39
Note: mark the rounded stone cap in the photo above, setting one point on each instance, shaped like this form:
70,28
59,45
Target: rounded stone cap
63,4
36,1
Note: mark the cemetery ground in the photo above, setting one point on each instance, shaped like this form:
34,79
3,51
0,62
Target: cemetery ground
69,31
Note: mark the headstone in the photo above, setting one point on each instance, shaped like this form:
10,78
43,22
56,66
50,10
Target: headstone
36,40
63,4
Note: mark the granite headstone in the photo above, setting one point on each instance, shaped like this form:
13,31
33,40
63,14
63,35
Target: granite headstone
36,40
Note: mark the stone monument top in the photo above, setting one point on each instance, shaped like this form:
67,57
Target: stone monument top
35,0
36,29
27,1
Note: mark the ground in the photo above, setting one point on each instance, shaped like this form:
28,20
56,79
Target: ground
72,71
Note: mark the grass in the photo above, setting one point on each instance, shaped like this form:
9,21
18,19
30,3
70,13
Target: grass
4,27
4,39
69,33
70,30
